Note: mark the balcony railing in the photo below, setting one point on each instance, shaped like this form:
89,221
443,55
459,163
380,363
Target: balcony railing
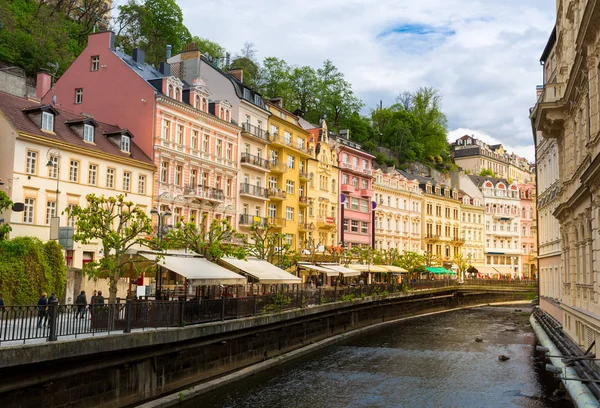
277,193
367,193
249,219
432,237
255,131
306,226
277,221
291,142
209,193
252,190
305,175
357,169
278,167
348,188
255,161
303,200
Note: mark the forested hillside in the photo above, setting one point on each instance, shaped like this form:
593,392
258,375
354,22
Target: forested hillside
35,34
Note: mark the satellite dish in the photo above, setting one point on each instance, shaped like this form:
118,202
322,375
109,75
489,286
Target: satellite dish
18,207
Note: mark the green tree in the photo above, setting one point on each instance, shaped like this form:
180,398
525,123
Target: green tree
266,243
209,47
462,263
303,86
118,225
487,173
212,241
411,261
5,203
275,78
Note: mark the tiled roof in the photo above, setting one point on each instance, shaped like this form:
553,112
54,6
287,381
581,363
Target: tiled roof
13,108
479,180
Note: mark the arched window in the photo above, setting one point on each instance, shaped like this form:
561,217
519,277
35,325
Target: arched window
197,102
170,91
177,93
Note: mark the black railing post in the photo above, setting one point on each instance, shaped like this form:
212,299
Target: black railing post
53,317
127,316
222,308
254,306
320,289
181,312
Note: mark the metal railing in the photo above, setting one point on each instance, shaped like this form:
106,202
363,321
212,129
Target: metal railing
252,190
255,131
21,323
255,161
249,219
205,192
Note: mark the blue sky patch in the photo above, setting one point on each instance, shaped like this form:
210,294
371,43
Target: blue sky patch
416,29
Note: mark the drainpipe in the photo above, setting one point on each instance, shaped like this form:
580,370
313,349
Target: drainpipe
580,393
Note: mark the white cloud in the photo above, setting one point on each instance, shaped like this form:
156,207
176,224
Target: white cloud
482,55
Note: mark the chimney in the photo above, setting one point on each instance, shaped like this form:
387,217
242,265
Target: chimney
345,134
238,73
43,85
138,55
169,48
165,68
277,101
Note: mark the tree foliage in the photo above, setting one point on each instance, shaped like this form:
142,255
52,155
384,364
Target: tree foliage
487,173
118,225
29,267
213,241
267,243
5,203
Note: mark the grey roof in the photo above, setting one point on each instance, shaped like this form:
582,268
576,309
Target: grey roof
305,124
479,180
146,71
423,180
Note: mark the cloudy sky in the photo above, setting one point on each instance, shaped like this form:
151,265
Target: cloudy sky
482,55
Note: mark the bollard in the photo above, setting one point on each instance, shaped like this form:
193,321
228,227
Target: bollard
127,316
53,317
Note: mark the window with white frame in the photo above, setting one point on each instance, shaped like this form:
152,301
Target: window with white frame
364,227
179,135
126,181
354,205
141,184
48,121
92,174
344,179
74,171
31,165
291,162
29,211
205,144
364,184
354,226
289,187
289,239
178,174
166,129
71,219
79,95
50,211
273,182
88,133
95,63
274,130
272,210
219,150
125,143
364,205
110,178
229,152
289,213
194,140
53,170
287,137
164,172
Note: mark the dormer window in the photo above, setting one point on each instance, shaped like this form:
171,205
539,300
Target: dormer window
48,121
125,143
88,133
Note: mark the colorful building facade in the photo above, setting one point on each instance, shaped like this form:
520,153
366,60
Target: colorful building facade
528,231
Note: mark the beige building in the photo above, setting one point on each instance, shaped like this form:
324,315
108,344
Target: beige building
567,112
398,213
472,228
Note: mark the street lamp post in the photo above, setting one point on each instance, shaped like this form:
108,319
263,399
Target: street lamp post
161,222
54,153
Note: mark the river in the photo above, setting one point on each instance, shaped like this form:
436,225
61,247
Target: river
429,361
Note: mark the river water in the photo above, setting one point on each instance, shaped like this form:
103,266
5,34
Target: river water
430,361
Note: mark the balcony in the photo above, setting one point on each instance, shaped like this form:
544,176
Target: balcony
305,176
294,143
204,193
307,226
506,217
348,188
363,171
367,193
255,161
277,194
458,241
258,133
432,238
278,167
326,222
277,222
249,219
303,201
253,191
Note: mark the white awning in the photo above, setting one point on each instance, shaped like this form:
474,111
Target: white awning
342,269
394,269
262,270
367,268
486,270
505,270
199,271
317,268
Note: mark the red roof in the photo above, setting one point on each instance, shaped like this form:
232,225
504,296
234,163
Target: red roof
13,108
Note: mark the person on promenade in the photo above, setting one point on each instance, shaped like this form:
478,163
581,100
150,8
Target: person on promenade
2,303
52,298
92,301
99,300
42,306
81,303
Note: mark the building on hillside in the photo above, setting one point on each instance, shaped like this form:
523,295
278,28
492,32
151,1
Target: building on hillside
528,231
502,225
472,215
356,175
568,112
398,213
288,189
474,156
441,217
250,112
188,132
53,158
323,187
547,184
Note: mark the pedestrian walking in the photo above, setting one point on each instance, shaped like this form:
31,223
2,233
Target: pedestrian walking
92,301
81,303
99,300
42,306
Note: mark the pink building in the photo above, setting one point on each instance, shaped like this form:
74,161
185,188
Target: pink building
190,137
528,230
356,177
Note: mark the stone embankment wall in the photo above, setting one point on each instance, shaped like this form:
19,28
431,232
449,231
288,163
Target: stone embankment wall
121,370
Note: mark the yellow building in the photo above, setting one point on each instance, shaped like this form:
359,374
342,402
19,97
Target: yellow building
323,194
287,182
